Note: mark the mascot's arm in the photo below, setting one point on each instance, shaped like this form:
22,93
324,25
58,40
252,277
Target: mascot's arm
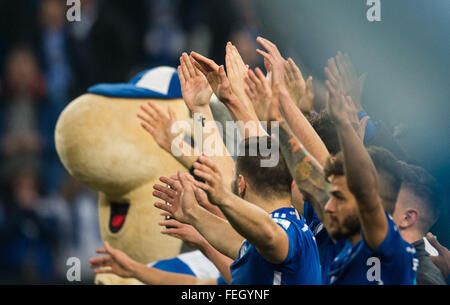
120,264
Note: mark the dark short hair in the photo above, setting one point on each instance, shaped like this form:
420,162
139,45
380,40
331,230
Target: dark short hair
267,181
388,169
423,185
326,130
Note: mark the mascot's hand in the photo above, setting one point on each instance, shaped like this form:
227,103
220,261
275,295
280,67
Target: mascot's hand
116,262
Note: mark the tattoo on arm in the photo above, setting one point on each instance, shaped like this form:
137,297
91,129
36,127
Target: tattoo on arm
306,171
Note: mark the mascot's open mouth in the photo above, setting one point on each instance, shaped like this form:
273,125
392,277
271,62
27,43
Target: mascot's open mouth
117,217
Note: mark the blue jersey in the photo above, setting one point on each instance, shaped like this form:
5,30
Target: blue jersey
394,262
328,249
301,265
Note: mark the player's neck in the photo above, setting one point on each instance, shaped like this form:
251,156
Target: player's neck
411,235
273,204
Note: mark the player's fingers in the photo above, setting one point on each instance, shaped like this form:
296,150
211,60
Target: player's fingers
163,206
170,223
172,182
188,64
205,176
208,162
330,76
163,196
164,189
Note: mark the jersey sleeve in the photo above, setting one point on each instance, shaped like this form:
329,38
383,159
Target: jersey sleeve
293,232
396,253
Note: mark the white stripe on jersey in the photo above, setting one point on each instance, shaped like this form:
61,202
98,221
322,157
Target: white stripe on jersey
277,277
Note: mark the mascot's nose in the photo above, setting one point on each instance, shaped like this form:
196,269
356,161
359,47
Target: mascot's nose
118,215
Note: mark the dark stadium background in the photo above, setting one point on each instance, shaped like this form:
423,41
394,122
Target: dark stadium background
406,56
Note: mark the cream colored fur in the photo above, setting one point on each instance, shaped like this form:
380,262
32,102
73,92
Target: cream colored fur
101,143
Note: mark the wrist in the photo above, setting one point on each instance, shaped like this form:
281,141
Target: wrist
200,109
136,269
226,199
194,214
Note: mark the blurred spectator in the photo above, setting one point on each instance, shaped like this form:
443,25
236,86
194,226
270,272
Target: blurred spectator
164,28
79,235
103,47
24,88
54,51
28,235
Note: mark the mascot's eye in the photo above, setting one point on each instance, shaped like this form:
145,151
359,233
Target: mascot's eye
118,215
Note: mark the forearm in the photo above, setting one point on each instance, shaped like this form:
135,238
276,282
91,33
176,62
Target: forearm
183,153
218,232
153,276
304,132
362,181
241,114
359,170
218,151
221,261
306,171
256,226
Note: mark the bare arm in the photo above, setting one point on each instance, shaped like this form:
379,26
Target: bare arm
247,219
194,239
119,263
197,93
222,87
361,175
159,125
288,75
304,168
185,208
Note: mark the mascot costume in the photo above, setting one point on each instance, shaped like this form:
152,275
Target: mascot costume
101,143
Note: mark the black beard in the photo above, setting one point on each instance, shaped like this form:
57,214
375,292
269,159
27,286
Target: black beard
351,226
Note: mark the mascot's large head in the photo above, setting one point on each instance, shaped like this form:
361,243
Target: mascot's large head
101,143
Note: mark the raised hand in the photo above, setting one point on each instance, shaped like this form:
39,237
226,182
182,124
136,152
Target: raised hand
216,77
273,58
214,185
185,232
301,92
342,109
259,93
194,85
236,71
336,106
181,198
158,124
115,262
342,75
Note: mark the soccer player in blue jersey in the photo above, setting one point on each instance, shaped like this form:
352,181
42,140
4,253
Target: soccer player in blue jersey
278,248
373,251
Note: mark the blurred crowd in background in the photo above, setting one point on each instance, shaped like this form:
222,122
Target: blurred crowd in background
45,215
45,61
